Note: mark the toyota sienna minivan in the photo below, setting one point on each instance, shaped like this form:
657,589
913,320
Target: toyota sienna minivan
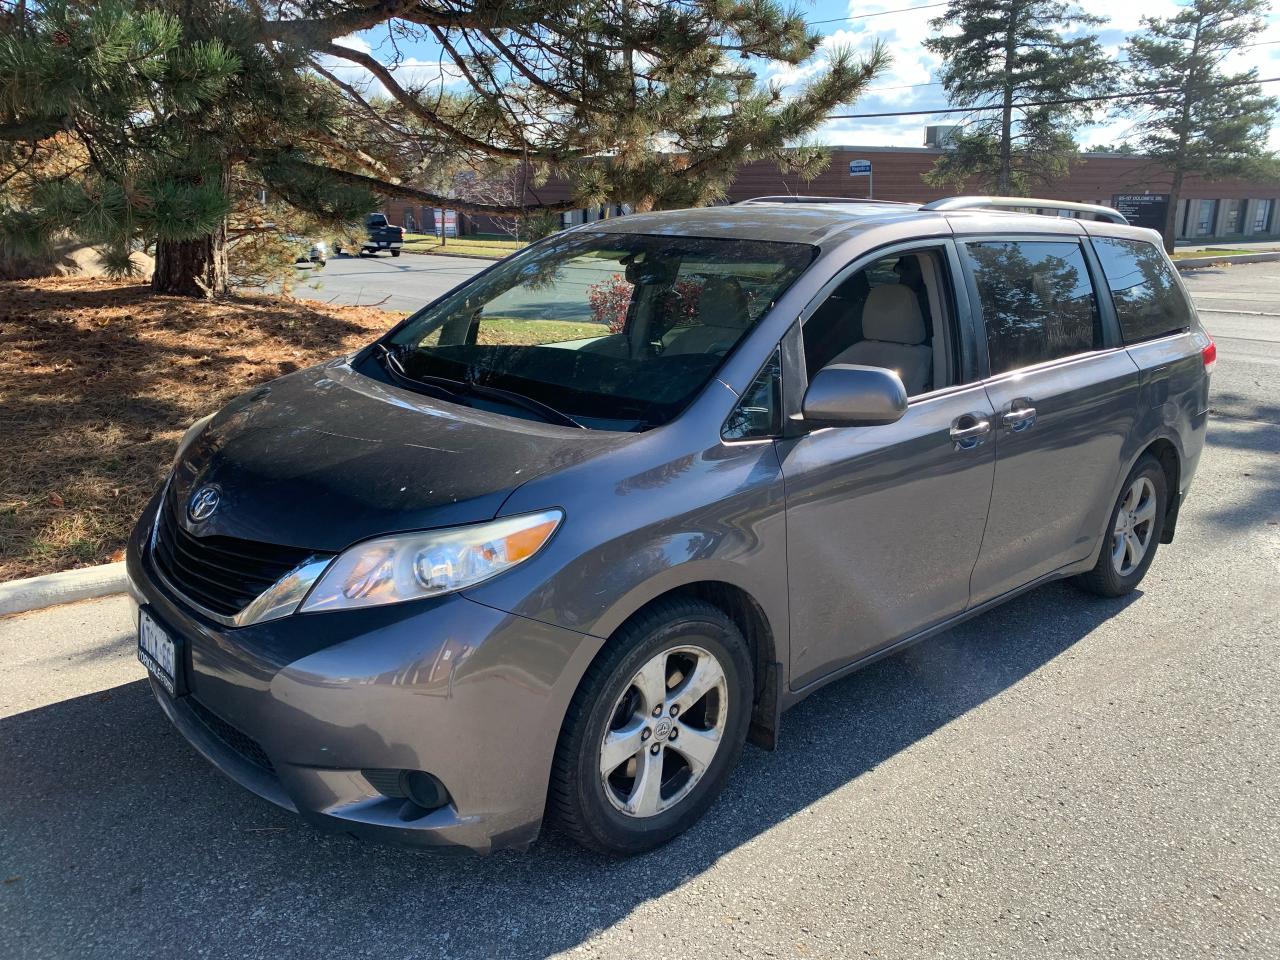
558,544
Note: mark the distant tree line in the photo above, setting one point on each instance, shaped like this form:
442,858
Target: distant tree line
1034,71
196,129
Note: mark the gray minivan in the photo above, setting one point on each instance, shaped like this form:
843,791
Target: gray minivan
563,540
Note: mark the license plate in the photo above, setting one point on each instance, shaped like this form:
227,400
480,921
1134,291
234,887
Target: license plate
383,243
158,652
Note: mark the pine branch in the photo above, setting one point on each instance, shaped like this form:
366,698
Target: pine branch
388,188
415,106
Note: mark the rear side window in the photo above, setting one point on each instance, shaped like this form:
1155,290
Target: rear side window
1037,301
1149,302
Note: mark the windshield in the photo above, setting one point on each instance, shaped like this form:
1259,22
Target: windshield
616,331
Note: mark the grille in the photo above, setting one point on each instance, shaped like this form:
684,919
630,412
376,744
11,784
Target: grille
222,574
241,743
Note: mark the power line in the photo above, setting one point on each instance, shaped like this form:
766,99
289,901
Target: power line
878,13
1117,62
1063,101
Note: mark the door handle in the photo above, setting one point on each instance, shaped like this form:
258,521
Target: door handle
1019,418
969,431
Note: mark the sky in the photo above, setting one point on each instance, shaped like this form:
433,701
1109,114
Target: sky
908,84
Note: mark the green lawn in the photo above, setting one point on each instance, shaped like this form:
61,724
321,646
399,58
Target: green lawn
511,331
504,331
493,247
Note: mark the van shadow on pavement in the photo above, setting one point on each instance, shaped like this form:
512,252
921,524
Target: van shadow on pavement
117,839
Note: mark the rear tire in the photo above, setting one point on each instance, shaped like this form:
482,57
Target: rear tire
1133,532
395,253
654,729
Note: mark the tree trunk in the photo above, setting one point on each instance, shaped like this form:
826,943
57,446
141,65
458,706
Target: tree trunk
192,268
1171,214
1004,177
1184,137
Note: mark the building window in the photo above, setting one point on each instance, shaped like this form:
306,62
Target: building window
1205,217
1234,209
1262,216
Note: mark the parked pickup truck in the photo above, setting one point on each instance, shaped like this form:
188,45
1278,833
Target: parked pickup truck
381,235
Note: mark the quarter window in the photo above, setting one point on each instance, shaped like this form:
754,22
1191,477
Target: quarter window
1148,301
1037,301
759,414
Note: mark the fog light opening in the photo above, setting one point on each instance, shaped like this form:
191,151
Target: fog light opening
423,789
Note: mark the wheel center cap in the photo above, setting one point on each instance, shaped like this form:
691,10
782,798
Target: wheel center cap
662,729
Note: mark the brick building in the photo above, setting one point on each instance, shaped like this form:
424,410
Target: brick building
1218,210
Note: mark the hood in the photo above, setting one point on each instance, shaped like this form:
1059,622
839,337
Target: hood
325,457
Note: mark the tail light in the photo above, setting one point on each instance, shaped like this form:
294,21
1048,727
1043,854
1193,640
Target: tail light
1209,354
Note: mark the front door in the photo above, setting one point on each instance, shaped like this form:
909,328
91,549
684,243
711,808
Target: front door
1065,399
884,523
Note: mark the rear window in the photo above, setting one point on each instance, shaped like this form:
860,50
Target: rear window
1037,301
1149,303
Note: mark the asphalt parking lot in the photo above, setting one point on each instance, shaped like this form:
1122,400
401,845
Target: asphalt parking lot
401,283
1063,777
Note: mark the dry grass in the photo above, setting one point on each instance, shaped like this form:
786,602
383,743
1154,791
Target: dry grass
99,379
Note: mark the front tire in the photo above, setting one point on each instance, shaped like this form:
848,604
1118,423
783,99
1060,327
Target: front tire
654,730
1133,532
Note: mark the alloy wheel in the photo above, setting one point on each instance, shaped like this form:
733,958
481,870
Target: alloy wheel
666,729
1134,527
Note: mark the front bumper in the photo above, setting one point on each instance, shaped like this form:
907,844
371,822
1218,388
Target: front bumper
294,709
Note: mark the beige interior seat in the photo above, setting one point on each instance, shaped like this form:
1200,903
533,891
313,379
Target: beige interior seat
722,318
895,334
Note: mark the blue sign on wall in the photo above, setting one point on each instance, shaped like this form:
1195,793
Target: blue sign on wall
859,168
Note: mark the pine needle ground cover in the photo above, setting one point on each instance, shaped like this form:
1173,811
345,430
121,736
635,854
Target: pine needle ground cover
98,381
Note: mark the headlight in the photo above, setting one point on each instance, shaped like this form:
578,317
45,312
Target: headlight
189,437
431,563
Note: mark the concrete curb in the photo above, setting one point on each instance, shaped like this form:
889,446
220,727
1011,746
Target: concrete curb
1194,263
457,256
33,593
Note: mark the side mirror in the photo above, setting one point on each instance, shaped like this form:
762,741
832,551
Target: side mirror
849,395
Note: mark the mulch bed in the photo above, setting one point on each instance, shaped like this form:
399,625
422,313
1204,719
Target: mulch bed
98,381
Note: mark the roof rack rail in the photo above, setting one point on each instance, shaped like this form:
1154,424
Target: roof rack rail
1098,211
795,198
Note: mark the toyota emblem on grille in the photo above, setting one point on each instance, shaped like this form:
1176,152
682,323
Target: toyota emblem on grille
203,504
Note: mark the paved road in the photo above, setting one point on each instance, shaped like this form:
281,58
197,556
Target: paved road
406,283
1064,777
402,283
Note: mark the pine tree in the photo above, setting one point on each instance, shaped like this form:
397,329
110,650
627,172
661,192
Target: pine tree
181,108
165,117
1193,116
999,55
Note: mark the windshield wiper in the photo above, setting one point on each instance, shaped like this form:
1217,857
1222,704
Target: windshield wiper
391,361
455,390
464,387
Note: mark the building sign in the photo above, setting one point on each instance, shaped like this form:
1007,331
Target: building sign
446,223
859,168
1143,209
